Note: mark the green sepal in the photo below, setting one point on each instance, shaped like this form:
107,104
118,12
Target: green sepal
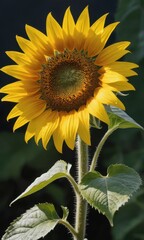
108,193
35,223
59,170
120,119
95,122
65,212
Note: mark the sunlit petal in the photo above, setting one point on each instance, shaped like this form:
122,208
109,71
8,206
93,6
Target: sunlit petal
66,77
83,22
112,53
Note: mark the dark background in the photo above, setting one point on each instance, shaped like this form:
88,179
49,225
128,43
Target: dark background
21,163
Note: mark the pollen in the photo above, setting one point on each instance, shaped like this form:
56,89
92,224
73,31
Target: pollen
65,77
68,80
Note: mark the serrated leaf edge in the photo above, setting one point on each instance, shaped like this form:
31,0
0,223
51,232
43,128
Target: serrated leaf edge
21,216
60,174
128,197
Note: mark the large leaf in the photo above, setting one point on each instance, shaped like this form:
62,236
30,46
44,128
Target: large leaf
59,170
34,224
108,193
121,119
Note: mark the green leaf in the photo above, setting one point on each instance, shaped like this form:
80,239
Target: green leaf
121,119
95,122
59,170
108,193
33,224
65,212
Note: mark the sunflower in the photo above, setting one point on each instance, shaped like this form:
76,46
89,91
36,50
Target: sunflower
65,77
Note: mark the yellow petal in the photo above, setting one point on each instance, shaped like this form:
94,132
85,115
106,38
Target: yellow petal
47,131
106,96
84,125
91,37
36,37
112,53
69,41
13,97
83,22
68,29
16,87
19,72
18,90
39,40
107,32
98,25
31,109
35,126
20,122
98,42
79,40
54,32
47,117
58,135
69,124
119,86
31,87
28,48
31,128
97,109
53,28
66,130
23,60
123,68
21,88
32,106
58,139
68,22
18,57
112,77
15,112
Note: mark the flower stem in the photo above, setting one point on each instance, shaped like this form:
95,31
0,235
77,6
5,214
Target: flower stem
68,226
81,204
99,147
73,184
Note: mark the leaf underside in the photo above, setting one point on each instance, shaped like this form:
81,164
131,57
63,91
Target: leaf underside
60,169
121,118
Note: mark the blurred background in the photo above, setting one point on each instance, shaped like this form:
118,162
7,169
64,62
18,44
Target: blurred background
21,163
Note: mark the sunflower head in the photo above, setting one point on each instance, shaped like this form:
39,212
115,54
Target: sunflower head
73,78
64,77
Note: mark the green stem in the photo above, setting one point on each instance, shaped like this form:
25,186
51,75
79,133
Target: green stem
69,227
73,184
99,147
81,204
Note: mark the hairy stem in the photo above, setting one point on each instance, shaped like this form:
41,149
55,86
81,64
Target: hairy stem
69,227
99,148
81,204
73,184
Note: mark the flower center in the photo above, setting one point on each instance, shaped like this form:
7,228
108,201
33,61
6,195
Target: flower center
68,80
